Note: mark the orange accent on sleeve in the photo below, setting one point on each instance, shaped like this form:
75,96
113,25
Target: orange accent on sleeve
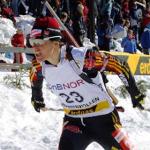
96,60
36,68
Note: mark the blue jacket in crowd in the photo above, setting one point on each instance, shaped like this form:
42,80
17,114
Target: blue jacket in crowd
145,38
129,45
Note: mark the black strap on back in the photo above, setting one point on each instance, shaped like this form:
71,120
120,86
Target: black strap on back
76,67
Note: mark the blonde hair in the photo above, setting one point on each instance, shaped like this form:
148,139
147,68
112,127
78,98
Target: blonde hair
130,31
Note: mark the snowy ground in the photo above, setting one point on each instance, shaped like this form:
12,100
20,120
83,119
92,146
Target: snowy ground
21,128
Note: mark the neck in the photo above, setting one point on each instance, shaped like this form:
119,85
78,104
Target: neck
53,61
55,57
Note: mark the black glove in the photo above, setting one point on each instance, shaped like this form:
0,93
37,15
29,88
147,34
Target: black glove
138,100
38,104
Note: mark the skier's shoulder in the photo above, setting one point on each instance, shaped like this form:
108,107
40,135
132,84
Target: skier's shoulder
78,52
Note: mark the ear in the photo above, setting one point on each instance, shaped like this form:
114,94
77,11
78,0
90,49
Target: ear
57,43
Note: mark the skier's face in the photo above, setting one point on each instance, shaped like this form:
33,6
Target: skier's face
45,50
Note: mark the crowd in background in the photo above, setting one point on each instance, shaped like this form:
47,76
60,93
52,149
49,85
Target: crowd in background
124,21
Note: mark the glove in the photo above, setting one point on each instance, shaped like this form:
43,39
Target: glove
38,104
138,100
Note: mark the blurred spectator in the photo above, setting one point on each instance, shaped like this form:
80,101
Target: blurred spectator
35,7
14,6
129,43
65,5
146,18
79,27
145,40
75,15
7,12
85,11
66,21
56,4
135,19
116,11
105,8
118,31
18,40
23,7
125,9
104,35
3,3
141,3
127,24
64,17
101,32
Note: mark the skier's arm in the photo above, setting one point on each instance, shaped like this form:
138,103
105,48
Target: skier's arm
36,80
99,61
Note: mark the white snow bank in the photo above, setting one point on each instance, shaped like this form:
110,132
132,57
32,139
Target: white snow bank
25,22
7,30
24,129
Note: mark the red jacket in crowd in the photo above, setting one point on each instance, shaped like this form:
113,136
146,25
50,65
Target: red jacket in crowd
18,41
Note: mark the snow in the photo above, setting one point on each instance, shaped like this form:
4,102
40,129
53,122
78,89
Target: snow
22,128
6,33
25,22
136,122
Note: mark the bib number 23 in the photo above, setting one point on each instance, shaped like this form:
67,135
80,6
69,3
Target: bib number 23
72,97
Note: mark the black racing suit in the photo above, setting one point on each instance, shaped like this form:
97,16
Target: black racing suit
78,133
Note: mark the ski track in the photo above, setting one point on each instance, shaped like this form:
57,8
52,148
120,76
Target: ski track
21,128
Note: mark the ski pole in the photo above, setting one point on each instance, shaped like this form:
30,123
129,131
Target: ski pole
147,109
141,108
50,109
66,33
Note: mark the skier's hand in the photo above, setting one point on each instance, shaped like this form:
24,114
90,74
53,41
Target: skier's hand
38,104
138,100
